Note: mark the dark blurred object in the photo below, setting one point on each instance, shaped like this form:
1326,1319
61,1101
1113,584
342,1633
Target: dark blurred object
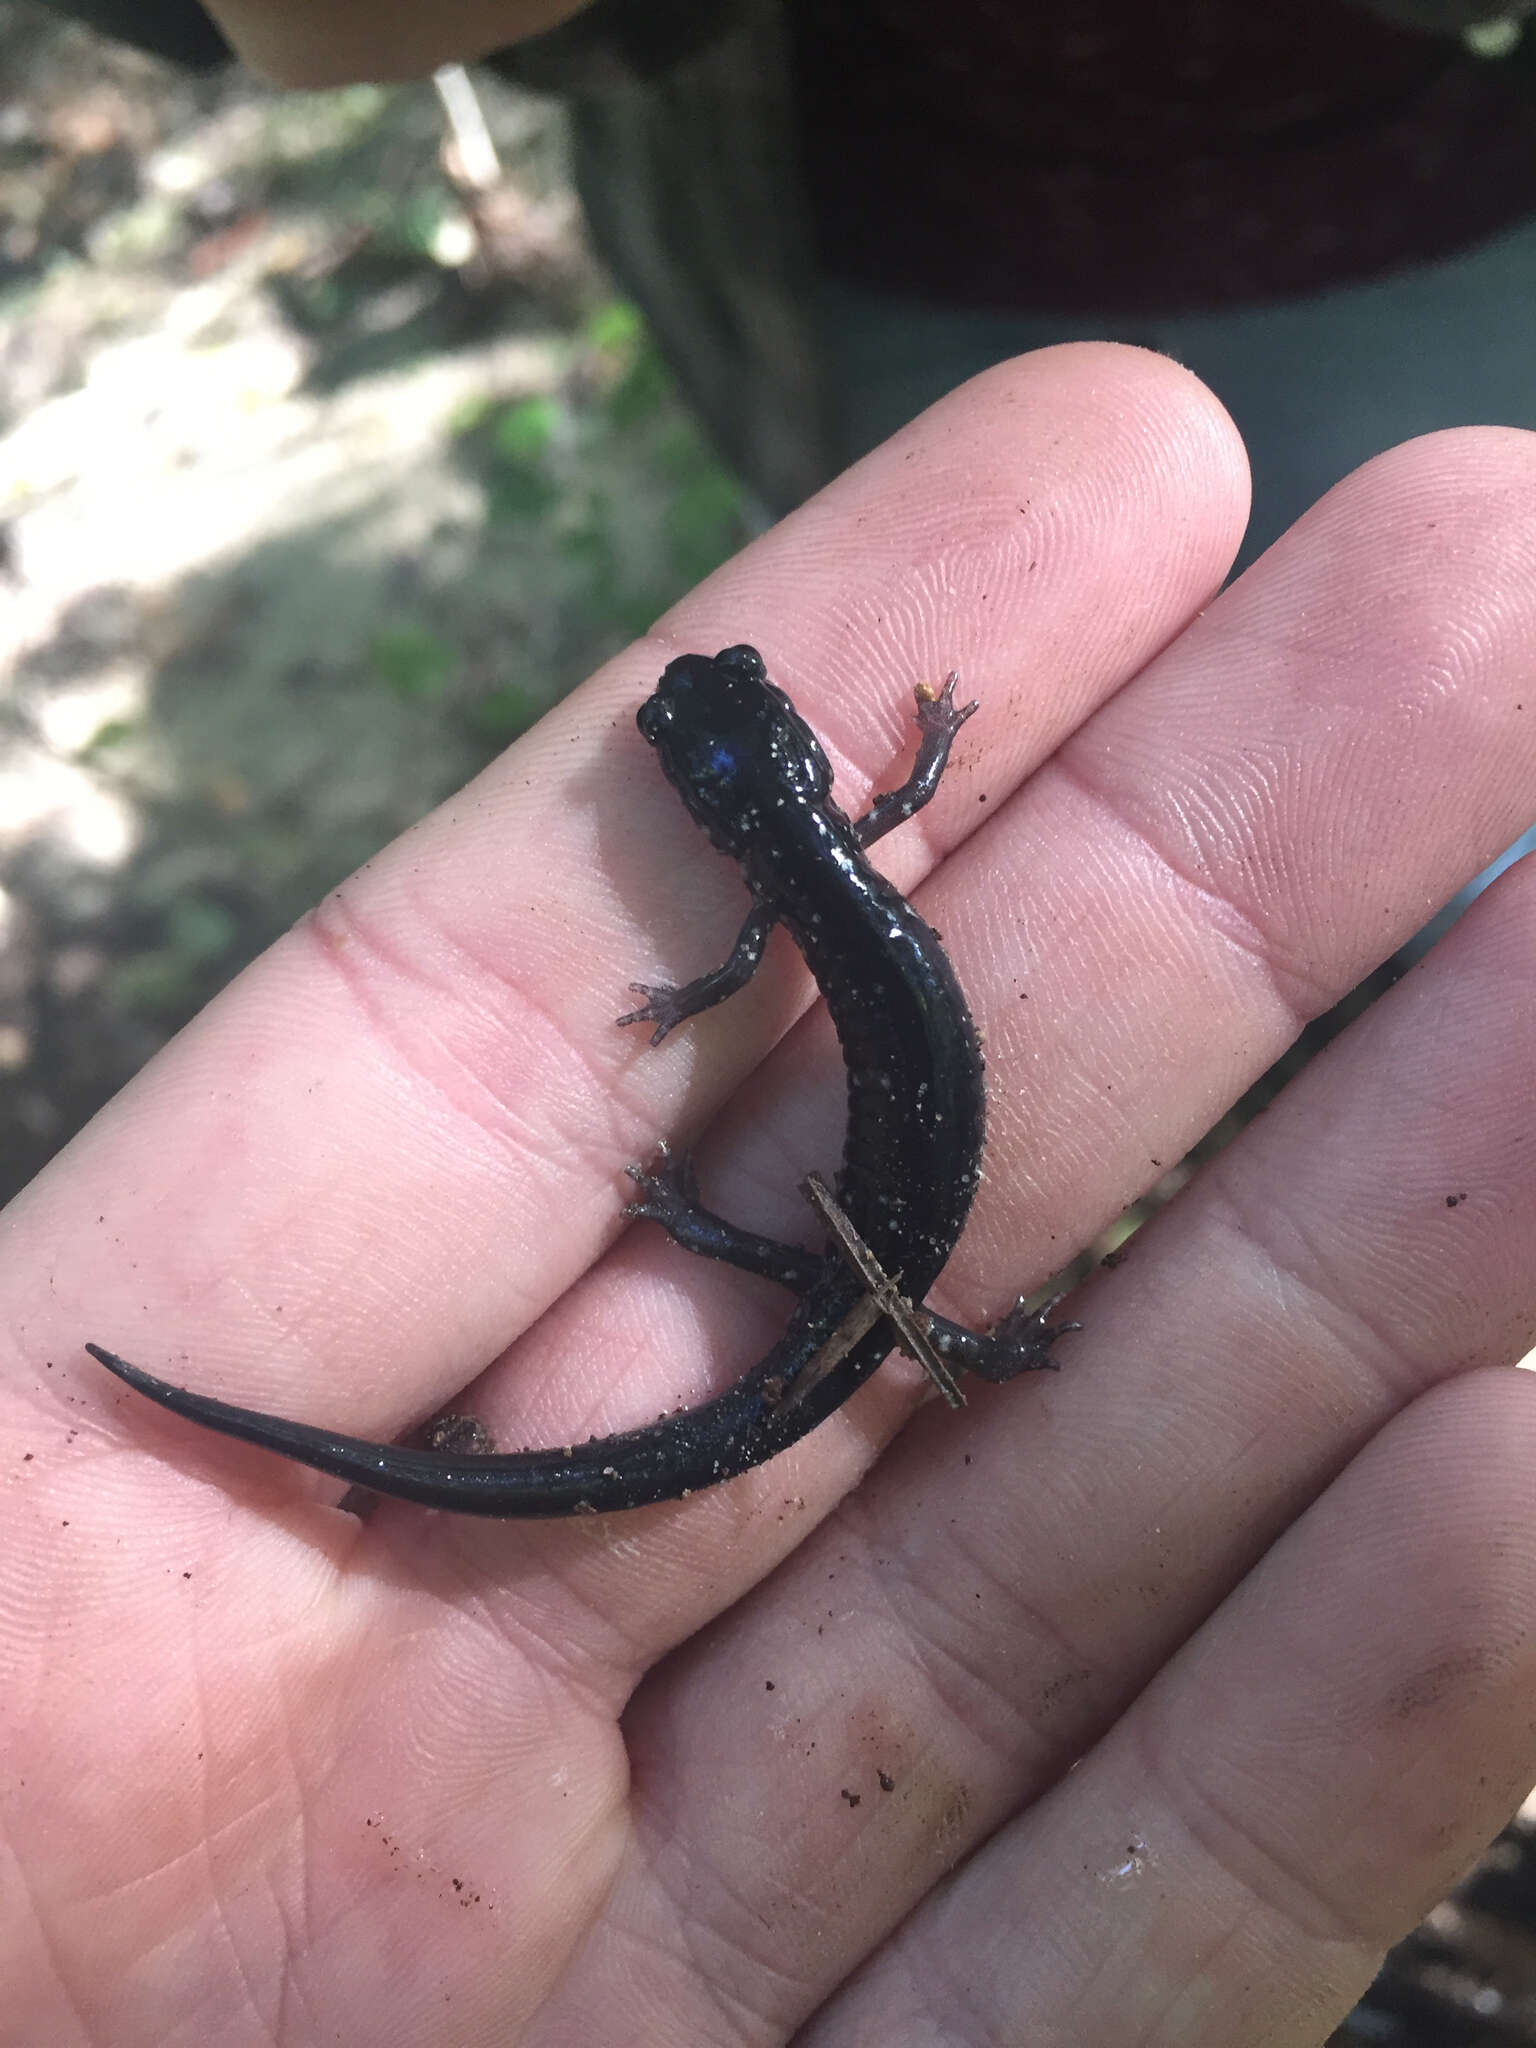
177,29
688,168
616,39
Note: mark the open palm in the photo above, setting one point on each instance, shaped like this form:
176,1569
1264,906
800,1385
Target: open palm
795,1758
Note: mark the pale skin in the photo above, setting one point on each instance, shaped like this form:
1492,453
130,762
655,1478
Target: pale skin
789,1760
334,42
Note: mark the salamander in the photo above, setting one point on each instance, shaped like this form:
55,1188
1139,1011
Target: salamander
752,774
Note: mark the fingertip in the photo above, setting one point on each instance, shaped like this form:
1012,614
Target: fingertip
1130,436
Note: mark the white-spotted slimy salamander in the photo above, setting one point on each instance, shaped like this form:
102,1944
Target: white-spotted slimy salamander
754,776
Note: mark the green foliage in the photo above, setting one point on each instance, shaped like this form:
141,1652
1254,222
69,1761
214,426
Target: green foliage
418,223
521,485
200,929
519,494
301,127
522,432
615,328
166,980
412,660
470,415
635,380
704,518
110,734
644,387
157,984
500,715
610,482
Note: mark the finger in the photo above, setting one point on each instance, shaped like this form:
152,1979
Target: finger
1313,1771
1012,1603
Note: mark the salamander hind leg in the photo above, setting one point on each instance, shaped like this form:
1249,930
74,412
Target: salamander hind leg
669,1195
1021,1342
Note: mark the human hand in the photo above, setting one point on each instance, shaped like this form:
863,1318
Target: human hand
1260,1561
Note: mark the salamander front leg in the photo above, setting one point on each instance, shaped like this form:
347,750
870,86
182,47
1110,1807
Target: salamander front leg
938,721
667,1007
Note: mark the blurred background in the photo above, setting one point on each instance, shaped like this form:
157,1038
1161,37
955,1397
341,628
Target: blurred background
329,458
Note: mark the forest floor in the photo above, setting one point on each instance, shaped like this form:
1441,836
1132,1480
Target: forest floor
323,472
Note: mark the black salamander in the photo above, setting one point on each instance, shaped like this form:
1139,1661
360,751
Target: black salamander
754,776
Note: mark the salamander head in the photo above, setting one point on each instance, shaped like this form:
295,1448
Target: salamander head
731,743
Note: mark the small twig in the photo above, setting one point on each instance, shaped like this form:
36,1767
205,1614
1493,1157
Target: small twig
857,1324
884,1298
478,163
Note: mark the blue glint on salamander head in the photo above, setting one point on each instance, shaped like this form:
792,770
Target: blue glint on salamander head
729,741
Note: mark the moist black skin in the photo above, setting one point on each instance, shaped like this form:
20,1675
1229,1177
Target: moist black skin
754,777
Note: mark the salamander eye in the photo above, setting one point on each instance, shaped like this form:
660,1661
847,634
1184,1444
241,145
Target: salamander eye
744,661
653,718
